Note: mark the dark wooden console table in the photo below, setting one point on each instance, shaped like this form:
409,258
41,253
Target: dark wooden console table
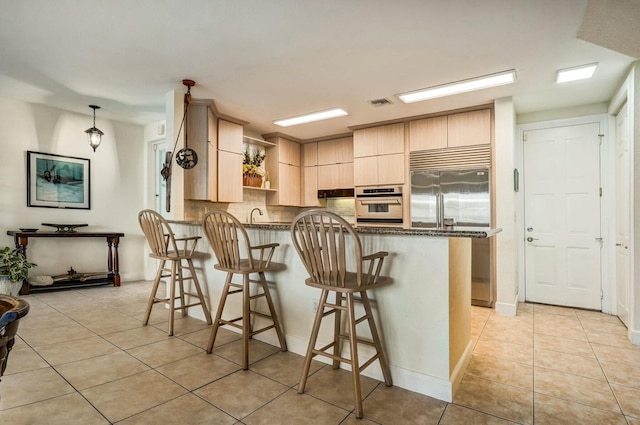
113,240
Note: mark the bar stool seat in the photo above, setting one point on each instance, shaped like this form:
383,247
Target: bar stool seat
235,255
328,246
164,247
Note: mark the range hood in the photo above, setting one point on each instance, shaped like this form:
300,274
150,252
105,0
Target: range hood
335,193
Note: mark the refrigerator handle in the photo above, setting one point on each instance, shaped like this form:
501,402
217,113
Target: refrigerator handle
439,211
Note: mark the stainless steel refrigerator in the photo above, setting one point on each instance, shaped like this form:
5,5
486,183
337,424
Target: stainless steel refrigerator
458,198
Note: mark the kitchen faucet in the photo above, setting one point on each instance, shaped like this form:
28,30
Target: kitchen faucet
251,214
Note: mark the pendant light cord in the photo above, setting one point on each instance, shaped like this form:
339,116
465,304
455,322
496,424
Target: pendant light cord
166,169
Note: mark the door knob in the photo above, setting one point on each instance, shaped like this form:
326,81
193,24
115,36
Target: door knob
530,239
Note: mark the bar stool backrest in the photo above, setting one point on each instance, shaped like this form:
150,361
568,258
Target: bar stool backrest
228,239
158,233
326,244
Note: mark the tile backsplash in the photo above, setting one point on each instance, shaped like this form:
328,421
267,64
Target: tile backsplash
195,210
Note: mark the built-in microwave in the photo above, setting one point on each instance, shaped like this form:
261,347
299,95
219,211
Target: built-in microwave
381,205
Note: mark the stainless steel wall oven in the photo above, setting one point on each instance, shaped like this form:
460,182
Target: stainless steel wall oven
380,205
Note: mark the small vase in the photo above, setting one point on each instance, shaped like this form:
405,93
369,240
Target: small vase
8,287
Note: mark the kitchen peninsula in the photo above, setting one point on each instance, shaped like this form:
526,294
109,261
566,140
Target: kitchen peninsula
423,316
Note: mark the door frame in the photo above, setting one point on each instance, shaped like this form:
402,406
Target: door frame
607,222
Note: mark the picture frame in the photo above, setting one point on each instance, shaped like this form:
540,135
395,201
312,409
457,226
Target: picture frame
57,181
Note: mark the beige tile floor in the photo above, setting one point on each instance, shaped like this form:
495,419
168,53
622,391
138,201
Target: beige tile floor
82,357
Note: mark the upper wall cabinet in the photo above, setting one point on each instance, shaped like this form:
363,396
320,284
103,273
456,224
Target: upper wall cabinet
428,133
285,173
379,155
229,161
201,182
470,128
335,163
450,131
381,140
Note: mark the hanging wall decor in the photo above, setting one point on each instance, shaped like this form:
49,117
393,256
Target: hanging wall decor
57,181
186,157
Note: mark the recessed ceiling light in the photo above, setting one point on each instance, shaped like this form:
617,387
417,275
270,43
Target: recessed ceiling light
315,116
478,83
576,73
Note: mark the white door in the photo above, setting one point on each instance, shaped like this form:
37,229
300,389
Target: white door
562,216
622,215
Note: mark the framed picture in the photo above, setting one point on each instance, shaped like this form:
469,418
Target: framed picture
56,181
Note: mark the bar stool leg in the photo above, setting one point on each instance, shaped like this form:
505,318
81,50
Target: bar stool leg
172,297
312,341
382,358
246,320
154,292
337,330
181,288
216,322
355,364
203,303
272,311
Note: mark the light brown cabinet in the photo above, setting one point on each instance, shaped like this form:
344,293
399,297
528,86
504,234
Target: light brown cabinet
310,154
379,155
379,170
229,161
335,151
218,142
449,131
309,187
470,128
201,181
428,133
285,172
335,163
381,140
335,176
288,152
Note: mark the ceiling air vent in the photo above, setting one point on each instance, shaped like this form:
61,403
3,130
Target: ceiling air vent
380,102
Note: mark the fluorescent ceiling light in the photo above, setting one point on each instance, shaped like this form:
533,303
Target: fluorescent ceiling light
492,80
576,73
316,116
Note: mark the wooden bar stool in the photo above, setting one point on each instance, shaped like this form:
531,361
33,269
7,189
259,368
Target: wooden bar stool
327,246
235,255
164,247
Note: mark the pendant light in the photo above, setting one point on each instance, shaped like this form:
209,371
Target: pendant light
94,135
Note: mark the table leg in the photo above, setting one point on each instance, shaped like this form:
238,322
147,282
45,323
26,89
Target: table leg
113,260
21,243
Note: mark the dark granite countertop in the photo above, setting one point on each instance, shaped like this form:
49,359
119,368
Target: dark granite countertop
455,232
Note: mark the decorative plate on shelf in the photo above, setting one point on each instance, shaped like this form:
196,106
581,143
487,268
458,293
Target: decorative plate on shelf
65,228
22,229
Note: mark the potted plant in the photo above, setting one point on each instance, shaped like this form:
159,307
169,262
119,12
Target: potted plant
252,170
14,269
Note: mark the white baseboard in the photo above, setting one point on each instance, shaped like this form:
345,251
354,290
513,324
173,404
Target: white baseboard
507,309
634,336
432,386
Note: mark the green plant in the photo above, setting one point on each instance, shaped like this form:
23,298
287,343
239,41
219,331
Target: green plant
14,264
252,161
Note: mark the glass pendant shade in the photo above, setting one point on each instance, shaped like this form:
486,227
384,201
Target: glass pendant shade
94,135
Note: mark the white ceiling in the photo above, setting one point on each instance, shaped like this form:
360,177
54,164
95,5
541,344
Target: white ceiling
264,60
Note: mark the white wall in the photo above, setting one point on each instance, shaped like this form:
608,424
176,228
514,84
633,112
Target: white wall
117,181
634,115
505,199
